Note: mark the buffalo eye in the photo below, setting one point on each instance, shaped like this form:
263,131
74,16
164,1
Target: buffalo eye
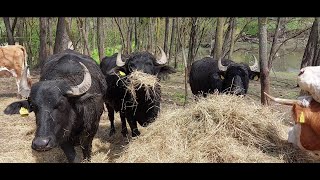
61,105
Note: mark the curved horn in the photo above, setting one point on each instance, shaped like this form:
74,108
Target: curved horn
220,66
84,86
255,66
284,101
163,58
119,61
24,88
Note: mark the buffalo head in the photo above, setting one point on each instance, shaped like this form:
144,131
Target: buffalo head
51,101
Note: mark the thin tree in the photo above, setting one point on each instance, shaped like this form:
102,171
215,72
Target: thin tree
62,39
172,37
50,36
217,50
20,29
43,40
84,33
100,37
264,70
274,43
176,49
136,42
10,29
166,35
118,21
192,42
232,40
311,56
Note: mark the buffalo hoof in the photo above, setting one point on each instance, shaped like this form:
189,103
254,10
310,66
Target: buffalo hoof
112,132
135,133
124,132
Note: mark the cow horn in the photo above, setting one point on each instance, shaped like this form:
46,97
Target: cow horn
119,61
84,86
284,101
24,88
255,66
220,66
163,58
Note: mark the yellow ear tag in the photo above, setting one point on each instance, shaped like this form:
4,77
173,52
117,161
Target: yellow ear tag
255,78
301,119
122,73
23,111
221,77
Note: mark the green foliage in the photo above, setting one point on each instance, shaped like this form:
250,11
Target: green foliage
252,28
95,56
109,51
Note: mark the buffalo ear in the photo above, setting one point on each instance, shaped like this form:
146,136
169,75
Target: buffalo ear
162,71
14,108
122,69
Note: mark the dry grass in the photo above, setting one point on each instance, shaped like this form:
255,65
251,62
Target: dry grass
220,128
216,129
137,79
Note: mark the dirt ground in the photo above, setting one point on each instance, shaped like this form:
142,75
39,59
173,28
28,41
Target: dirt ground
16,132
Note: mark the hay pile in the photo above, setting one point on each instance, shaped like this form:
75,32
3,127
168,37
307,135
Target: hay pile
220,128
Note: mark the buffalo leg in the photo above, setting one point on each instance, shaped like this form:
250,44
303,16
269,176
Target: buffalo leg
70,152
133,127
111,119
124,130
86,146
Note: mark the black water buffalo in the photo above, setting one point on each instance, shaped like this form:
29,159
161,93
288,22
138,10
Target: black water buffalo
205,76
146,110
67,101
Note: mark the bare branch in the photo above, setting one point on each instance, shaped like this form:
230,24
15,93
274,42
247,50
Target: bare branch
242,30
296,35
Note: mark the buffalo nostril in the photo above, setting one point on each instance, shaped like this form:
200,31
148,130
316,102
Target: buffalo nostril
40,143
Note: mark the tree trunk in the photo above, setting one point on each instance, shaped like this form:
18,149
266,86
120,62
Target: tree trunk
20,29
121,34
157,30
274,42
217,50
6,21
172,38
50,37
166,33
129,34
192,42
83,31
136,43
94,33
311,52
100,37
43,40
177,44
149,46
263,48
227,39
232,41
62,39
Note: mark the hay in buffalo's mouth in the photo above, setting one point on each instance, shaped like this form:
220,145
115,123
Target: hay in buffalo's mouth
138,80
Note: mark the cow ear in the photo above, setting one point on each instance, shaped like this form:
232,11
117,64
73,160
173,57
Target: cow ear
164,70
14,108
